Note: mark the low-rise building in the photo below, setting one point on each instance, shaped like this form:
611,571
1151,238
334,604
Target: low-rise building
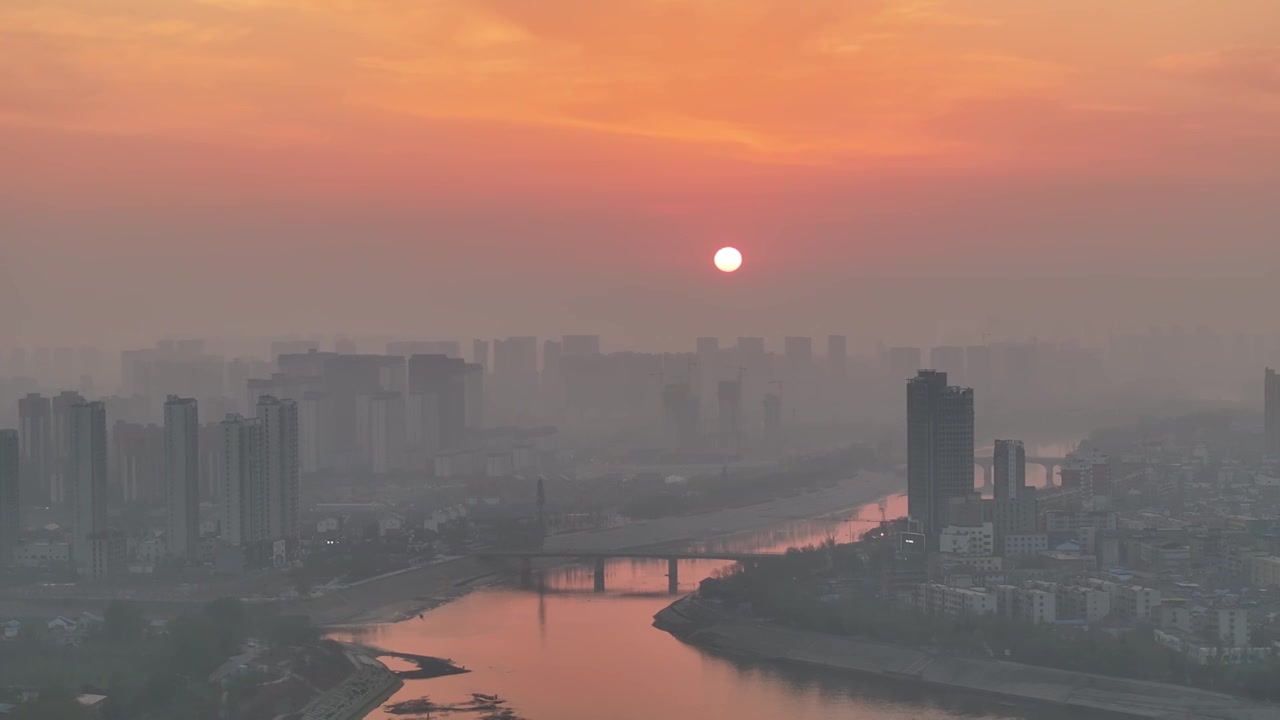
939,599
1025,544
1264,571
1031,605
977,540
1133,603
1072,521
1232,626
1076,602
41,553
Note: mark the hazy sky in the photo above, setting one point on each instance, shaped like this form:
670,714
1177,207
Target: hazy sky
459,167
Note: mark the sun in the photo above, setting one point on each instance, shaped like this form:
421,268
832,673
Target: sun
728,259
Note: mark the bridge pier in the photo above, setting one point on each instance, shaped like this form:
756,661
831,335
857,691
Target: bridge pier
1048,473
599,575
526,572
673,576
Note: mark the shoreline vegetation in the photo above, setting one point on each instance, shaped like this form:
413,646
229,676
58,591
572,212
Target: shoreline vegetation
824,605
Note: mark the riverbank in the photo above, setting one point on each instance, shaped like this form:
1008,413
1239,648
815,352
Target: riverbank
404,594
705,625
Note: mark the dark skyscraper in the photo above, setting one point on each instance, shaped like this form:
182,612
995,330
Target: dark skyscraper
87,477
34,448
939,447
1010,459
10,494
182,476
1271,403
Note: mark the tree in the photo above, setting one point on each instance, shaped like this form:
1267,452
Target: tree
53,704
230,623
123,623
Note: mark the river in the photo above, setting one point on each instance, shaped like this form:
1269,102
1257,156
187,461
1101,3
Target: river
567,653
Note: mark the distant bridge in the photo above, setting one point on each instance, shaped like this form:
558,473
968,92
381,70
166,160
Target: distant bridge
673,558
1048,462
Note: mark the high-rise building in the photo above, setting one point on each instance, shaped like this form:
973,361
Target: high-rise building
1271,403
405,348
680,416
480,353
445,378
380,421
1010,461
948,359
709,361
515,378
87,478
182,476
577,345
242,495
10,494
837,357
60,460
315,430
939,448
136,460
34,448
473,389
279,423
729,393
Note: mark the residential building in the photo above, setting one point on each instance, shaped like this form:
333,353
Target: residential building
939,448
136,462
1264,571
729,394
182,476
1010,461
445,379
1077,602
279,425
951,601
976,540
1232,626
242,494
1025,544
34,418
1031,605
1072,521
107,555
1133,603
87,445
380,422
10,495
1013,516
61,460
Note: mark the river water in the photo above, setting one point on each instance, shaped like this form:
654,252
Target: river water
567,653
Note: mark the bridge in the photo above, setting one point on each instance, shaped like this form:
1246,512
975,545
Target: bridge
599,557
987,463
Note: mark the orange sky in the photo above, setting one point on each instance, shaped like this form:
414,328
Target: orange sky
672,123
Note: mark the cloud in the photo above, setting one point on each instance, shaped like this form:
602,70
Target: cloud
1255,69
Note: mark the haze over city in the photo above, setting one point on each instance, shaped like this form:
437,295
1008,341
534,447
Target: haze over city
567,359
503,167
